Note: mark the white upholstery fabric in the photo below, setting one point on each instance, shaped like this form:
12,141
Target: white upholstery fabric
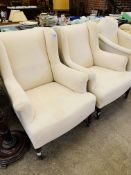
108,26
46,109
123,44
109,85
124,39
101,58
126,28
19,99
72,79
58,110
71,35
23,49
107,78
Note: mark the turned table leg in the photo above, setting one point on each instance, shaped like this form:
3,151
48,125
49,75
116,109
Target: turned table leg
13,144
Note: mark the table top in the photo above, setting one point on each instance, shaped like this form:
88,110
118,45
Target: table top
8,23
13,26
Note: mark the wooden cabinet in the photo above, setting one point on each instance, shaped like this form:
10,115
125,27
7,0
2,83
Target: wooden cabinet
17,2
4,3
78,7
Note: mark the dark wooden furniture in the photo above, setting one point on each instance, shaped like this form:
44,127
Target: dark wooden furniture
12,143
8,23
78,7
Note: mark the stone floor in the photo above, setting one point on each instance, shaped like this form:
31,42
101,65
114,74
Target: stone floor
102,149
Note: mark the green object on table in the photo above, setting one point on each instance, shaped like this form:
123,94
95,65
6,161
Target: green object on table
126,16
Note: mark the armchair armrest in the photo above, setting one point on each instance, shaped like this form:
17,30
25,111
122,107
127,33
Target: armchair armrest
124,39
19,99
119,49
91,76
76,81
110,60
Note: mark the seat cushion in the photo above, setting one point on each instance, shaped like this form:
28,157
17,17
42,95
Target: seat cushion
58,110
109,85
28,57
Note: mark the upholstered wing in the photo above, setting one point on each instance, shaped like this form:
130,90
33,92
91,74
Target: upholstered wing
113,39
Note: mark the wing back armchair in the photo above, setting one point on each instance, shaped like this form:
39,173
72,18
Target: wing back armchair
79,49
113,39
48,97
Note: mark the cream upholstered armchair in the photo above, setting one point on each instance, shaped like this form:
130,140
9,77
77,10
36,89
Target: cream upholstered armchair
113,39
48,97
108,79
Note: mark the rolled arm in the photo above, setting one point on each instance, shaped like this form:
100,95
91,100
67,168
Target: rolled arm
20,101
75,66
76,81
118,48
110,60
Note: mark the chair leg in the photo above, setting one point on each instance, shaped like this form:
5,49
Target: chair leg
127,93
98,113
39,153
88,121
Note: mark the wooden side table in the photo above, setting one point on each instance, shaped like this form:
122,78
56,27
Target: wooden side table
13,144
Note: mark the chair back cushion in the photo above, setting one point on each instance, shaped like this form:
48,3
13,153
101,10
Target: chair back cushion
28,57
108,27
78,44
